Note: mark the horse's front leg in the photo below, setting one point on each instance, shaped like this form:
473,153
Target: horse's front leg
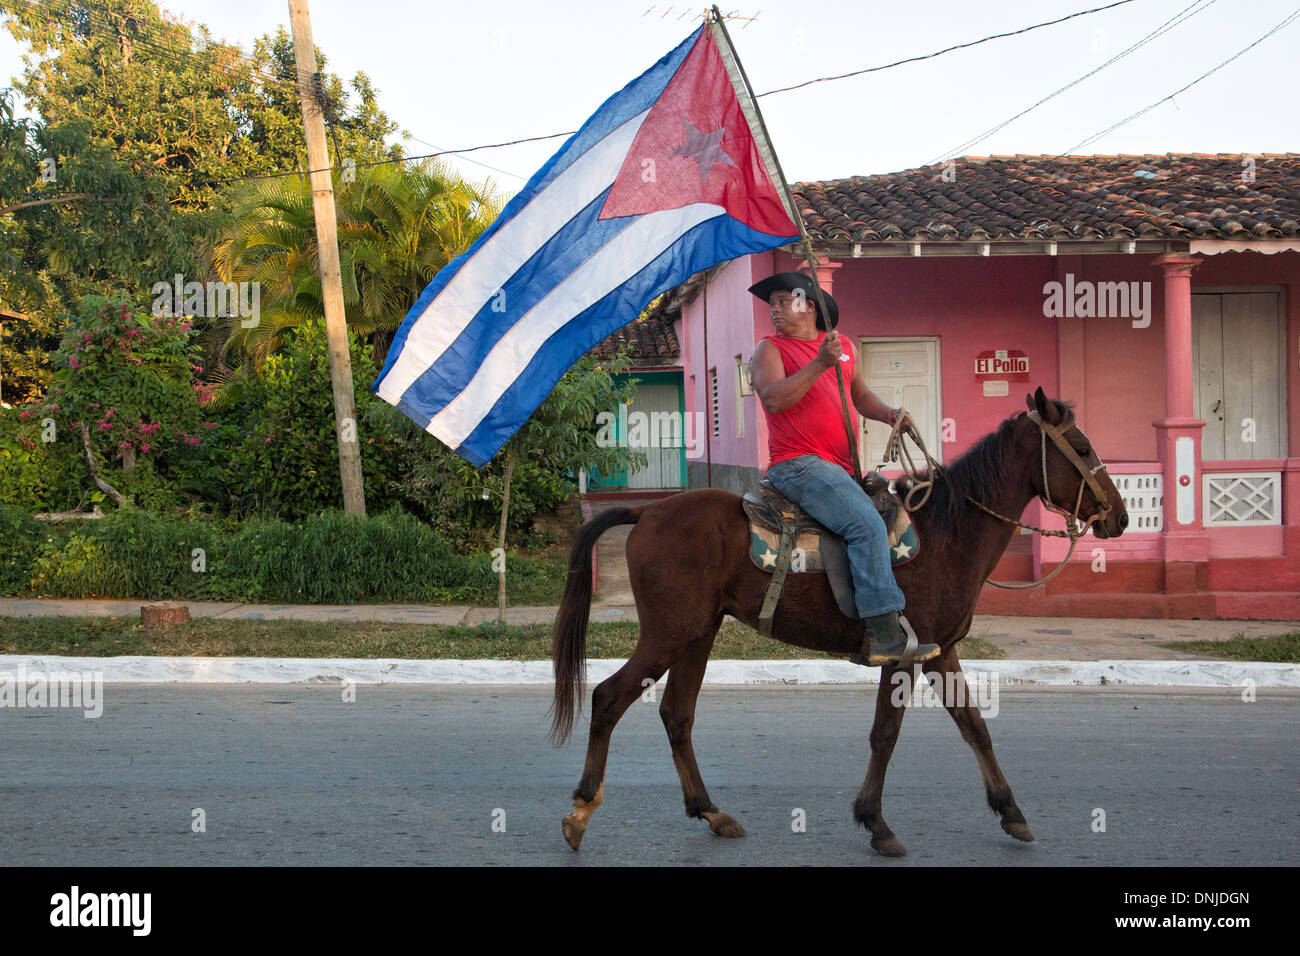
884,734
949,683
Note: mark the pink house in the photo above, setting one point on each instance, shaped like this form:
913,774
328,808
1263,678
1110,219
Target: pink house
1157,293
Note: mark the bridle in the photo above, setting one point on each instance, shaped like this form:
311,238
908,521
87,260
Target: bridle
1057,433
1087,475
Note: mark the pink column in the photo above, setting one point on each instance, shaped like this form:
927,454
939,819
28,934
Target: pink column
1179,433
826,269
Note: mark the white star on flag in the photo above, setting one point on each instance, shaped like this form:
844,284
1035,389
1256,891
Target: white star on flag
705,148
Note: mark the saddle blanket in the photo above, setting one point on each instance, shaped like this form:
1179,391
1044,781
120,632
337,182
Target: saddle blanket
815,549
807,555
765,534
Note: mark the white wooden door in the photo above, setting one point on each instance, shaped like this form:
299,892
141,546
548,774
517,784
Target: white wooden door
661,430
903,373
1239,374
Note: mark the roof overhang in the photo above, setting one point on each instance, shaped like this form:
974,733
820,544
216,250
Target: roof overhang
1214,247
1040,247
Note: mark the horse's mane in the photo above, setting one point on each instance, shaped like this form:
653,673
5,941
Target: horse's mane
980,473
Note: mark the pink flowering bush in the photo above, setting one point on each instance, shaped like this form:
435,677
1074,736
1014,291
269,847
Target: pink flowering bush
133,379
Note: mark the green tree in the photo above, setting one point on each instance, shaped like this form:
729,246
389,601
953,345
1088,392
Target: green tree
176,105
149,122
73,220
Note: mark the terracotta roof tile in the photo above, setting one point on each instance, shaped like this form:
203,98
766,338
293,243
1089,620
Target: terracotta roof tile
1175,196
651,336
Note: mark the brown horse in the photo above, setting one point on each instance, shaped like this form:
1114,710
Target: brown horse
683,593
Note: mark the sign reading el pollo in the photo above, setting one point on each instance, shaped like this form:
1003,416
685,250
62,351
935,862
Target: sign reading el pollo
1009,365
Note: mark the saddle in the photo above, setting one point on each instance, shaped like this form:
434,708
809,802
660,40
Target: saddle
786,539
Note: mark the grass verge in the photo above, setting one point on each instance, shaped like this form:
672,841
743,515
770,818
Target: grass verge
212,637
1279,649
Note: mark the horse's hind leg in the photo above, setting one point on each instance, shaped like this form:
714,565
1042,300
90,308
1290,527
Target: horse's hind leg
957,700
678,713
609,701
884,734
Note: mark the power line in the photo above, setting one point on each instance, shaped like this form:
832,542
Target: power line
285,87
1179,18
959,46
1146,109
386,162
445,152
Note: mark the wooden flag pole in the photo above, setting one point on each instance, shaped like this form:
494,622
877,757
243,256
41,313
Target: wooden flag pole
327,250
805,242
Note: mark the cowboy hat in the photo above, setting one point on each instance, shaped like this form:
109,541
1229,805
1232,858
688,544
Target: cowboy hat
794,282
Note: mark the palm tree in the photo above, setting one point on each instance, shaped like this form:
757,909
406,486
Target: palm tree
397,225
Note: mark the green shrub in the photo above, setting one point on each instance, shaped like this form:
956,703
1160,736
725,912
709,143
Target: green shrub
284,462
77,567
37,474
155,554
330,558
20,541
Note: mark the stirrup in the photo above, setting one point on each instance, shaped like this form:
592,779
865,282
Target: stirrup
909,655
909,651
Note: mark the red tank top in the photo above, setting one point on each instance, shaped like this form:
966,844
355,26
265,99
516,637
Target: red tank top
815,424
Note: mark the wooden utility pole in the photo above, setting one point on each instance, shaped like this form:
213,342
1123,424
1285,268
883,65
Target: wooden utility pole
327,247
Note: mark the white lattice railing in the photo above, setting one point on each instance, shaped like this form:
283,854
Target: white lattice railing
1239,499
1143,500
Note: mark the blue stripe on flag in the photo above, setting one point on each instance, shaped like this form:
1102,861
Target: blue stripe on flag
635,98
713,241
568,249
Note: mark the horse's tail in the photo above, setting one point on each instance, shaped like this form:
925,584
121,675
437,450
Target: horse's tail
569,641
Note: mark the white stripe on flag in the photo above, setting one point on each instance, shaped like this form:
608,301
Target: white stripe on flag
480,277
618,261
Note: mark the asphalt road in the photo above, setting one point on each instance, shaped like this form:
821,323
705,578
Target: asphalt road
420,775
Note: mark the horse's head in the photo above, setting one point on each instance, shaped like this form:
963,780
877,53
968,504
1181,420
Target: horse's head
1072,479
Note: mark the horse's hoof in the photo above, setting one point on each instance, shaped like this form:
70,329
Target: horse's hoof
1020,831
888,846
574,829
724,824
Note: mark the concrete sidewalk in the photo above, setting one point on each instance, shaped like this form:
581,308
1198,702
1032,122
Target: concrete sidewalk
1022,638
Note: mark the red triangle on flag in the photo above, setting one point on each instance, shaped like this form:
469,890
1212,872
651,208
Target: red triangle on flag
696,146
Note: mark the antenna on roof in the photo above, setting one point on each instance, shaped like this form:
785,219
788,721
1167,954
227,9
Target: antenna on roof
694,14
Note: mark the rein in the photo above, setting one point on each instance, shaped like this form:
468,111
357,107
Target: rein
896,450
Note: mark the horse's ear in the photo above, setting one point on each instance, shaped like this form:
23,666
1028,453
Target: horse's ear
1047,409
1029,401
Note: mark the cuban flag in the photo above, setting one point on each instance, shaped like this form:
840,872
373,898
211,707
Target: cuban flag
671,176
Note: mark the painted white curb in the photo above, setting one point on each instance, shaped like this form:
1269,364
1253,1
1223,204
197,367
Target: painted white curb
284,670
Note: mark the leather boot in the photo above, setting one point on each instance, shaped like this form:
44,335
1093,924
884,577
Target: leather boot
885,642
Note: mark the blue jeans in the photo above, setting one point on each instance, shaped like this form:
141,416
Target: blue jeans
829,493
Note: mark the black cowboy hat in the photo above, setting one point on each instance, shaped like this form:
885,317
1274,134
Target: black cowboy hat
792,282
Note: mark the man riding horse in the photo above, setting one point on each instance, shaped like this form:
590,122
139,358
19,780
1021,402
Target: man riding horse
810,463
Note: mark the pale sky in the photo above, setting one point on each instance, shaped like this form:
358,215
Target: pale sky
472,73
